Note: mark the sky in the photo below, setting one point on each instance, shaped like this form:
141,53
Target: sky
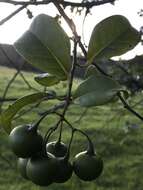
14,28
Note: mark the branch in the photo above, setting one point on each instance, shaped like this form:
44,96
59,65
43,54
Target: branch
70,81
73,29
7,88
18,69
64,3
85,4
81,116
129,108
53,109
27,83
26,2
12,14
68,99
71,25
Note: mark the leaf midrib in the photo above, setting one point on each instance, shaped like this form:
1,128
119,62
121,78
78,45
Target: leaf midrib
56,58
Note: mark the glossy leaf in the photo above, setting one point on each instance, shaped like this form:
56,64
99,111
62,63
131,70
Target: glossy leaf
96,90
46,46
7,116
46,79
112,37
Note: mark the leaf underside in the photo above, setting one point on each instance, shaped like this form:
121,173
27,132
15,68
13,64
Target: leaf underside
96,90
46,46
112,37
7,116
46,79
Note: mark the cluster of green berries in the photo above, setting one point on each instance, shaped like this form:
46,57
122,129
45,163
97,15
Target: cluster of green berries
50,164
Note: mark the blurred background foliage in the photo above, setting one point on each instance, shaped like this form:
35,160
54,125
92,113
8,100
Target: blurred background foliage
117,136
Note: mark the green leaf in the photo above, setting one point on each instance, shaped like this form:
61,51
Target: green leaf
91,70
46,79
96,90
7,116
46,46
112,37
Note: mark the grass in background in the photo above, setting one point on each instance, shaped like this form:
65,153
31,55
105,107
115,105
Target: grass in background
117,136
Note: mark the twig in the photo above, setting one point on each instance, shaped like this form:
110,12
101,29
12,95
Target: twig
26,111
26,2
73,29
6,160
129,108
70,81
71,26
81,116
121,113
53,108
18,69
27,83
12,14
7,88
78,130
64,3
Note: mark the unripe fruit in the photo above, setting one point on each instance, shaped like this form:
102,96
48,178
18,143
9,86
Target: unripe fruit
22,163
58,149
87,167
64,171
41,169
24,141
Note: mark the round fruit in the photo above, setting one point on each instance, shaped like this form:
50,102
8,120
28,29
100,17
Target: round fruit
64,171
22,163
87,167
41,169
58,149
24,141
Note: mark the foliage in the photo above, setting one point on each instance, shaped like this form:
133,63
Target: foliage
46,79
46,46
96,90
111,37
120,144
8,115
